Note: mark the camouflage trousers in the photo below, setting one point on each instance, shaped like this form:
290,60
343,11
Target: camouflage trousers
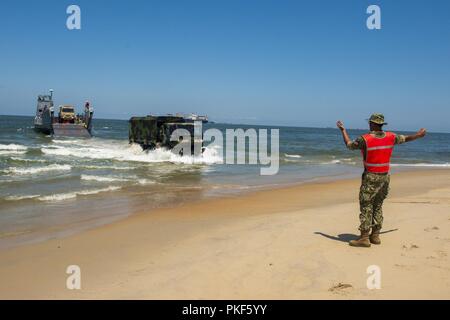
374,189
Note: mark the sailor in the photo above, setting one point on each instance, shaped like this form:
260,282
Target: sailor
376,148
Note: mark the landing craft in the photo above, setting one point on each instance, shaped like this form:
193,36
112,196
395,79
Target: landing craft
66,122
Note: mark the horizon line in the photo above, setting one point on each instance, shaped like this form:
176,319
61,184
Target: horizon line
247,124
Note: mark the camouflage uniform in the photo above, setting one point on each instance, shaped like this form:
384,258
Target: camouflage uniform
374,187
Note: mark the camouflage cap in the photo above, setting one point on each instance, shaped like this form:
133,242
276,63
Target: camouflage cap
377,118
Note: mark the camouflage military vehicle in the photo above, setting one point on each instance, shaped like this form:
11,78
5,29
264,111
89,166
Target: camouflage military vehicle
155,131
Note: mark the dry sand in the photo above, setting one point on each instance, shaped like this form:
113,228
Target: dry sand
288,243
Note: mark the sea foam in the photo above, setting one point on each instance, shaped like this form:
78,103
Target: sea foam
36,170
432,165
72,195
293,155
119,151
11,152
102,179
21,197
12,146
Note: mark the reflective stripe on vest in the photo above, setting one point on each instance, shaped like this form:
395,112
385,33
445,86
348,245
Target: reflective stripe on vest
379,148
378,152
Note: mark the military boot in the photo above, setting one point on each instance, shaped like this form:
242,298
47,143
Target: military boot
375,236
362,241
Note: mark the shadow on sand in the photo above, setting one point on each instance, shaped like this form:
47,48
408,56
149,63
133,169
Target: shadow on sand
346,237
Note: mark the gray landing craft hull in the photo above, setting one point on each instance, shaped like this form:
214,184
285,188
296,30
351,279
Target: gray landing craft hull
43,129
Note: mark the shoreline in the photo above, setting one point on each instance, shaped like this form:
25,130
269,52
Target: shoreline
254,239
26,237
63,229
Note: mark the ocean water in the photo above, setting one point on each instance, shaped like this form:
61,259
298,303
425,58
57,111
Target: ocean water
53,186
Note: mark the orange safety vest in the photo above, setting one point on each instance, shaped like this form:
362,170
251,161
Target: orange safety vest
378,152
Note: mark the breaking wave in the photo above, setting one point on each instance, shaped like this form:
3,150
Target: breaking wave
102,179
72,195
11,152
124,152
94,167
432,165
292,155
21,197
28,160
13,147
144,182
336,161
52,167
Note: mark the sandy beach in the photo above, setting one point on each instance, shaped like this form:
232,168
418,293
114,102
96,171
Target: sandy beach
287,243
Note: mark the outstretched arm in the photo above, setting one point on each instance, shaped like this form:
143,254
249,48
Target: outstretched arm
345,136
419,134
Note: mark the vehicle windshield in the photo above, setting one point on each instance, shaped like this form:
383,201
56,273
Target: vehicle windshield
67,110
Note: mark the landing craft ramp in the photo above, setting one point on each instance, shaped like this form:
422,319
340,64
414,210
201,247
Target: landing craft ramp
70,130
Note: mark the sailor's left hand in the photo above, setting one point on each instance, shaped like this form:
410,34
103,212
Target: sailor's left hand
340,125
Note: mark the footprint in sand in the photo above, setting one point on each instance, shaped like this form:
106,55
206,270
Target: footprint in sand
431,229
403,266
412,246
340,288
439,255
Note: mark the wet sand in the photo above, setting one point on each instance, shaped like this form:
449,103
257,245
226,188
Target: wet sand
288,243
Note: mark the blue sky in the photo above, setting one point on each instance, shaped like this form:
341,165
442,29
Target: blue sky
303,63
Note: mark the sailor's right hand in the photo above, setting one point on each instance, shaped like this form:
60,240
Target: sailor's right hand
340,125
